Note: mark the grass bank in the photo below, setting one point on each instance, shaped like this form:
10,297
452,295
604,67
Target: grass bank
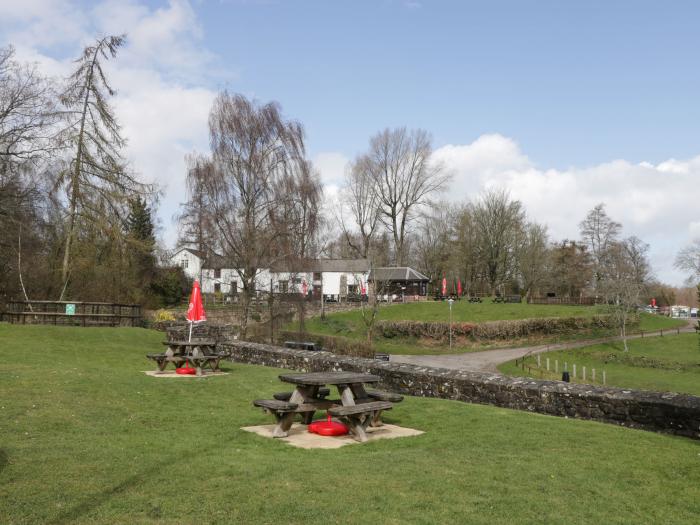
88,438
350,324
666,364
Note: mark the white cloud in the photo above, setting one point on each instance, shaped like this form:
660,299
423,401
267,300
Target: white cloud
654,202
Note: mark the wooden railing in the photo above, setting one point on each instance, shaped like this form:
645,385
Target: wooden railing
71,313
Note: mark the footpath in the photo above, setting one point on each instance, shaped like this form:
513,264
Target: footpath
488,360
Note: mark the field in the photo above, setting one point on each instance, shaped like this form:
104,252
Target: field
88,438
669,363
350,324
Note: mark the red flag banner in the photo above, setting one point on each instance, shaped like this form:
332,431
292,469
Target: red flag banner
444,286
459,287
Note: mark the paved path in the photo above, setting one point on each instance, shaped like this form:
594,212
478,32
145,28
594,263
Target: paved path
488,360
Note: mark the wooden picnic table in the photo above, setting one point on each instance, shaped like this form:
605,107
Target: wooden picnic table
198,353
355,405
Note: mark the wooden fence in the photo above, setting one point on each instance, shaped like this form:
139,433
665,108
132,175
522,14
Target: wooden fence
72,313
586,301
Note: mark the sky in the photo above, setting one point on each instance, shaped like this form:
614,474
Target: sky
564,104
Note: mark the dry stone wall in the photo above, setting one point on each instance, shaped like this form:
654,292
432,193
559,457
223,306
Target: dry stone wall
662,412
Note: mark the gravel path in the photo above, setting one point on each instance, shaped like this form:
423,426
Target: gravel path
488,360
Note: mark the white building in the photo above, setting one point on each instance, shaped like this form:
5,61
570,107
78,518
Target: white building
335,278
189,260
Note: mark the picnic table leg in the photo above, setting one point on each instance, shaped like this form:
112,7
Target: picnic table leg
160,365
358,425
284,423
300,395
346,395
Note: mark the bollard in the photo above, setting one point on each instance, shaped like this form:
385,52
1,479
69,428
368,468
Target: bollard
565,377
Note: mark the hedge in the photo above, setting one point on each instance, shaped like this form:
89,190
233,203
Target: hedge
510,329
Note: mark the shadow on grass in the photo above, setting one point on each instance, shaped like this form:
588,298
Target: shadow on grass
4,459
95,500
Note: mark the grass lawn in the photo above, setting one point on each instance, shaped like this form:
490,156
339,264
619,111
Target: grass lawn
670,363
350,324
86,437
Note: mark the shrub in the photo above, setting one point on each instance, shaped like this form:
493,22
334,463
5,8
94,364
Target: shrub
510,329
162,316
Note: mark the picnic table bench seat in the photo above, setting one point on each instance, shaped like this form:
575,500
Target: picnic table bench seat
384,396
285,396
359,417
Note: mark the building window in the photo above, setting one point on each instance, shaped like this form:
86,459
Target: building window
217,273
283,286
234,287
184,263
317,276
217,287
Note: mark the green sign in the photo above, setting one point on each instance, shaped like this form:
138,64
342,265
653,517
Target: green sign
70,309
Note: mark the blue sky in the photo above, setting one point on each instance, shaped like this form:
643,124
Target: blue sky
563,104
575,82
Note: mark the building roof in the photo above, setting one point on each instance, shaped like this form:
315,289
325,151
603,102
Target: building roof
399,273
324,265
197,253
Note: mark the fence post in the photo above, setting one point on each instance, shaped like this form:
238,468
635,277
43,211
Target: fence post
539,362
556,366
548,364
604,382
583,373
593,375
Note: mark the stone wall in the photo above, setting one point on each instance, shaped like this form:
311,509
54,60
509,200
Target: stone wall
662,412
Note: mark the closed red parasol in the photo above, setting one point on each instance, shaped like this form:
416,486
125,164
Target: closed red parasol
459,287
444,286
195,311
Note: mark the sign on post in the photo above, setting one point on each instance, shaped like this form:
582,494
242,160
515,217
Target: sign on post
70,309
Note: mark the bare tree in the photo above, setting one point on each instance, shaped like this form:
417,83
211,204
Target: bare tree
627,271
533,254
97,184
599,232
499,223
688,259
404,176
194,219
28,112
363,201
253,149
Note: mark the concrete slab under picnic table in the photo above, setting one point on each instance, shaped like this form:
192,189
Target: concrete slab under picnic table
300,437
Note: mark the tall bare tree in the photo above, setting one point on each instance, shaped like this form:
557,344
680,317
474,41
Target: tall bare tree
363,201
194,218
532,256
499,223
688,259
253,149
28,113
626,275
404,175
97,183
599,232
